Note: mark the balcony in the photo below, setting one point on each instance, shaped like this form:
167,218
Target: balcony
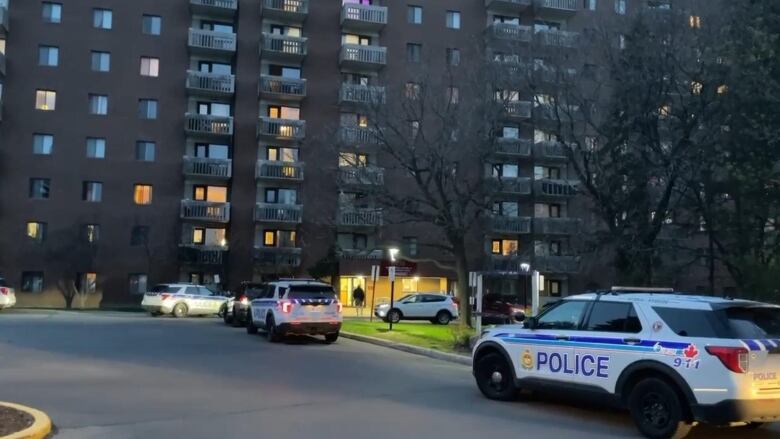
361,94
278,257
358,136
555,188
360,217
512,33
210,84
550,150
205,211
513,147
277,170
281,129
354,254
363,18
556,226
286,10
557,264
206,42
512,185
3,20
557,38
508,7
283,89
208,167
201,254
511,225
359,57
506,263
361,176
518,109
214,8
554,76
278,213
208,125
283,48
559,9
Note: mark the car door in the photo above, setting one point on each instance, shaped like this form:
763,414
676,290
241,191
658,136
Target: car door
192,298
412,306
433,303
211,300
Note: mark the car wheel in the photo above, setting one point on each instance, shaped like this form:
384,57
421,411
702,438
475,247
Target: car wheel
330,338
443,317
180,310
250,324
271,331
225,317
236,321
394,316
657,410
495,378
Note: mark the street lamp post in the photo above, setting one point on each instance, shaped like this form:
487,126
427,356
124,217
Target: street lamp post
391,276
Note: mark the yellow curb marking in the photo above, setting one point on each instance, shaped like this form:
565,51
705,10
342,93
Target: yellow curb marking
41,423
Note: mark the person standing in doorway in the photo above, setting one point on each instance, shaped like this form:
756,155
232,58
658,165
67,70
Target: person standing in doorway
358,300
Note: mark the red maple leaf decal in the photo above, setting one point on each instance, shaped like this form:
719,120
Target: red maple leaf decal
691,351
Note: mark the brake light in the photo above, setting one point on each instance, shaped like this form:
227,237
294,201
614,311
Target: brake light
455,304
735,359
4,291
164,296
339,306
286,307
244,300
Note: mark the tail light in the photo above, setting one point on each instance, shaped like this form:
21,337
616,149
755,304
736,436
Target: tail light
244,300
455,304
4,291
339,306
164,296
286,306
735,359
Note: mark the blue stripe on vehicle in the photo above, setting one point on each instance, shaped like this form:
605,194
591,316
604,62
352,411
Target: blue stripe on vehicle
592,342
752,345
769,344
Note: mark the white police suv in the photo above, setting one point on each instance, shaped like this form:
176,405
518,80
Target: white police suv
296,307
671,360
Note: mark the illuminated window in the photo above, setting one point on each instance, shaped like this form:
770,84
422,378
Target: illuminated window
150,66
362,120
198,235
86,283
696,87
45,100
412,91
694,21
91,232
504,247
665,111
36,231
723,89
269,238
142,194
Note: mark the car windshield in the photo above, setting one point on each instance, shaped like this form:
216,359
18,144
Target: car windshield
2,282
404,298
311,292
160,288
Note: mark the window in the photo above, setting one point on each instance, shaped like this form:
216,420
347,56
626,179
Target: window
453,57
137,283
142,194
45,100
453,96
216,194
694,21
410,246
151,25
620,7
96,148
414,128
552,287
279,238
32,281
43,144
504,247
589,5
622,41
150,66
613,317
91,233
139,235
144,151
453,19
39,188
48,56
412,90
52,12
147,108
98,104
92,191
413,52
86,283
414,14
36,231
566,315
101,18
101,61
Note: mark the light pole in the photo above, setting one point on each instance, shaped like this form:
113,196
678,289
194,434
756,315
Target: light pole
525,268
391,276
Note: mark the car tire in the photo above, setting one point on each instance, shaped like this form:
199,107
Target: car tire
180,310
443,317
225,317
250,324
657,410
394,316
236,321
271,331
330,338
495,378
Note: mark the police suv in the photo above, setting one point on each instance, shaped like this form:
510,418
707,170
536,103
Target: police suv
296,307
671,360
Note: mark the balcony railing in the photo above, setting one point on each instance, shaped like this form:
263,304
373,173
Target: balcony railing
555,187
557,38
359,56
286,257
283,129
355,254
205,211
283,46
513,147
511,32
360,216
278,170
295,10
518,109
550,150
210,83
513,225
557,264
556,226
214,7
355,135
564,7
362,94
363,17
506,263
283,88
212,41
278,213
201,254
206,124
513,185
208,167
507,5
362,175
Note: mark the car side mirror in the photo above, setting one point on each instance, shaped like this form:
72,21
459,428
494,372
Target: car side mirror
519,316
531,323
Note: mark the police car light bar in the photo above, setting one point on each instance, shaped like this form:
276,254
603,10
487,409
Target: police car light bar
642,289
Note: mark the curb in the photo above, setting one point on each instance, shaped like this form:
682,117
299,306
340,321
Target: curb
431,353
41,425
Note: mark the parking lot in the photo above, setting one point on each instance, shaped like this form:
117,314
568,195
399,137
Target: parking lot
128,375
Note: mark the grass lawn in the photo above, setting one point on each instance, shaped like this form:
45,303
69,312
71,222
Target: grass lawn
427,335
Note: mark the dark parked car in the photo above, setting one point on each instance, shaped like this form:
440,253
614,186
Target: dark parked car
237,307
500,309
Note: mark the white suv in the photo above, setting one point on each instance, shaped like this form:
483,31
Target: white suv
296,307
7,295
438,308
671,360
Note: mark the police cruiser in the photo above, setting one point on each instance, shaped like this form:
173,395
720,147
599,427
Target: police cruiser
296,307
671,360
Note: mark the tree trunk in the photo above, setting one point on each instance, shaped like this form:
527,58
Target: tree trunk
461,266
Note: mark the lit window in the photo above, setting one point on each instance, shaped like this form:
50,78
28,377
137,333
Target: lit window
96,148
43,144
495,247
101,61
87,283
150,66
32,281
45,100
91,233
138,283
92,191
52,12
151,25
142,194
620,7
696,87
665,111
102,18
269,238
36,231
723,89
98,104
694,21
48,56
198,235
453,19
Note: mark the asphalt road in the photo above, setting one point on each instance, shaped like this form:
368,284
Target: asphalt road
109,375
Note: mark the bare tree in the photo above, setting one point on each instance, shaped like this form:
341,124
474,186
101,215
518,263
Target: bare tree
72,249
